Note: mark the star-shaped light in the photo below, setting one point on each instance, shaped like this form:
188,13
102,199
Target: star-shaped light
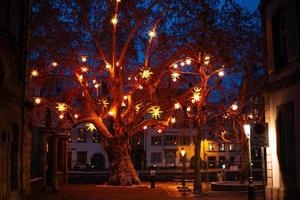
175,76
138,107
90,127
37,100
177,106
196,95
251,116
105,103
146,73
152,33
83,58
155,112
173,120
34,73
114,20
84,69
221,73
188,61
206,60
61,107
234,107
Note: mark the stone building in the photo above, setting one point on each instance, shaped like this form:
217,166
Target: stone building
281,25
14,141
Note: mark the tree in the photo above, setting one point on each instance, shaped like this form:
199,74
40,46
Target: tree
105,63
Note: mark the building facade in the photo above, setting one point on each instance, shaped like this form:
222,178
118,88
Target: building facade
86,150
281,25
14,140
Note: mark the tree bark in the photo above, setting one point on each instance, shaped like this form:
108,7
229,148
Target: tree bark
123,172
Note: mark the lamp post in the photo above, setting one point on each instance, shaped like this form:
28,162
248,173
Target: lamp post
183,155
247,130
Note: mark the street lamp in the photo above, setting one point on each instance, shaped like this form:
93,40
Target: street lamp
183,155
247,130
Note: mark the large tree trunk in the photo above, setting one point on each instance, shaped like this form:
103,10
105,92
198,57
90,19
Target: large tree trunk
244,162
122,169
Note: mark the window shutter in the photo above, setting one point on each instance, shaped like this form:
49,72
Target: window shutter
292,31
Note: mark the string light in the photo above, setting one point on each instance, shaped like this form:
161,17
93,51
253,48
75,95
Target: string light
76,116
123,104
96,85
61,116
182,63
251,116
125,97
145,127
159,130
175,66
108,66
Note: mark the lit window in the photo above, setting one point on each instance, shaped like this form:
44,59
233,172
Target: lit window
222,147
231,147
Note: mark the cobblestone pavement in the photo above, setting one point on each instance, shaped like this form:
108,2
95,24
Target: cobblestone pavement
163,191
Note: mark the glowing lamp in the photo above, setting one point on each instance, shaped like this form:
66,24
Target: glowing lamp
182,152
247,130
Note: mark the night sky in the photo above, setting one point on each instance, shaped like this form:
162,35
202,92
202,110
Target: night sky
251,4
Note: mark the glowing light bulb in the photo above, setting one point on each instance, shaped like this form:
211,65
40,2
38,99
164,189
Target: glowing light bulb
221,73
206,60
173,120
37,100
76,116
84,69
234,107
129,78
96,85
182,63
251,116
188,109
34,73
152,34
111,113
175,76
145,127
54,64
108,66
83,58
177,106
61,116
175,66
114,20
141,87
188,61
123,104
159,130
125,97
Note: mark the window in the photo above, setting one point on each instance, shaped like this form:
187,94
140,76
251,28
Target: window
285,34
156,140
232,160
222,161
222,147
170,157
156,157
185,140
81,157
211,147
279,39
170,140
81,137
231,147
286,138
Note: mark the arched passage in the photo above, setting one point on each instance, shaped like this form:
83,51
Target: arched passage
98,161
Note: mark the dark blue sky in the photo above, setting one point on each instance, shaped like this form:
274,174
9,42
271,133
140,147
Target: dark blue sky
251,4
